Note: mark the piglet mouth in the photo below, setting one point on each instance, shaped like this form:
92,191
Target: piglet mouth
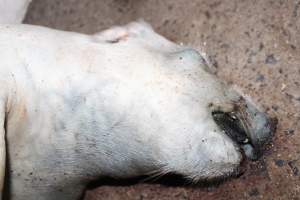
232,126
236,129
247,127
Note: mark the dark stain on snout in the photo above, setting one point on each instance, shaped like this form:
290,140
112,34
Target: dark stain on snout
250,128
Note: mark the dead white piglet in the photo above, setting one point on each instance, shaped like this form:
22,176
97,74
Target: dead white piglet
121,103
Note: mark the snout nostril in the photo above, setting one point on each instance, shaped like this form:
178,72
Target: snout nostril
262,128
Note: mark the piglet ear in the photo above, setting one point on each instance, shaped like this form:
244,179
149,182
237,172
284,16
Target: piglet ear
13,11
120,33
112,35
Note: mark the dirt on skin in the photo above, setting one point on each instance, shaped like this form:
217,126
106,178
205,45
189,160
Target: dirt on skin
253,44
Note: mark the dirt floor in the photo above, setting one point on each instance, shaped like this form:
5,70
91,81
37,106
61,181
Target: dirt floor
254,44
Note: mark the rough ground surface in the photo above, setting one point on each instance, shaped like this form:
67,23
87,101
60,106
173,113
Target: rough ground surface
254,44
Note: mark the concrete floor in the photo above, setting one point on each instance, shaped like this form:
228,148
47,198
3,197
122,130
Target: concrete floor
254,44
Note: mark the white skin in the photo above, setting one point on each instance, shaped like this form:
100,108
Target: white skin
121,103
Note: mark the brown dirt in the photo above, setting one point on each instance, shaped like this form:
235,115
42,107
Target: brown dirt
253,44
